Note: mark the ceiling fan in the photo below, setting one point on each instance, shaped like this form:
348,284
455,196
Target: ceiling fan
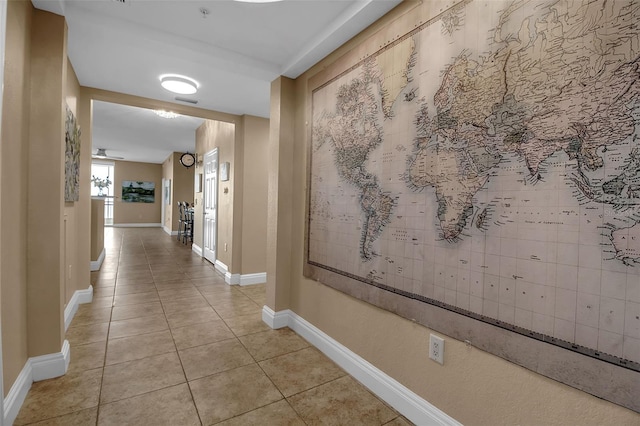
102,154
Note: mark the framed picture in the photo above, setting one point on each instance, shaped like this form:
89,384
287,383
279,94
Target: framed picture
224,171
198,182
134,191
167,191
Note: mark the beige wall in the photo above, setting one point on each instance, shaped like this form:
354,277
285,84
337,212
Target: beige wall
13,189
254,197
472,386
182,181
77,221
97,228
222,135
125,213
44,239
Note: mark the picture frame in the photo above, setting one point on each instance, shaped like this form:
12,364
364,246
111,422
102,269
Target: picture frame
224,171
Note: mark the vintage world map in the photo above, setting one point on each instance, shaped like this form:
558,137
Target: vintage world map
489,160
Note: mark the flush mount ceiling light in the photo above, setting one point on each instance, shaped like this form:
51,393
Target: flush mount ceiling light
179,84
166,114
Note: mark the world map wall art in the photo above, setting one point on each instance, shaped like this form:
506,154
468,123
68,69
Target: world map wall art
480,174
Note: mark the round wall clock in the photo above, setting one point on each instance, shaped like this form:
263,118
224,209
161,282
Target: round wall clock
187,159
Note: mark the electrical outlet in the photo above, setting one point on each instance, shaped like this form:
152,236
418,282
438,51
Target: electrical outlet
436,348
225,246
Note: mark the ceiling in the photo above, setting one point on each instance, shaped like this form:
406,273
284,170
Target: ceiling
234,50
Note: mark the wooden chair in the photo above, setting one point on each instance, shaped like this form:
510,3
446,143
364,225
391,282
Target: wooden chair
187,234
180,219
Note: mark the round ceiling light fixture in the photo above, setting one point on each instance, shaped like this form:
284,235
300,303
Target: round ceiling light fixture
179,84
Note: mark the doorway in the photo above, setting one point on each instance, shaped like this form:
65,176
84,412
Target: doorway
210,205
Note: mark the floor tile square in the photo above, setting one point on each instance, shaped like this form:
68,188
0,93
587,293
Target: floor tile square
87,357
213,358
136,299
59,396
171,406
88,314
191,316
269,344
247,324
78,418
119,313
341,402
230,393
133,378
298,371
277,414
137,347
201,334
81,334
135,326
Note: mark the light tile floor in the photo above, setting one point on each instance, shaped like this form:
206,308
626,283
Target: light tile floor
167,342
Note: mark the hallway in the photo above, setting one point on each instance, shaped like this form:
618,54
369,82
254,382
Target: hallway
167,341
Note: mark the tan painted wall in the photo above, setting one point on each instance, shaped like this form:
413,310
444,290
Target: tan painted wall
254,197
473,387
13,189
45,216
97,228
124,213
182,181
209,135
181,186
77,215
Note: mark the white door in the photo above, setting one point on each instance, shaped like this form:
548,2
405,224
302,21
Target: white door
210,205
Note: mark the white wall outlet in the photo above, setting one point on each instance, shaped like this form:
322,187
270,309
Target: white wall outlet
225,246
436,348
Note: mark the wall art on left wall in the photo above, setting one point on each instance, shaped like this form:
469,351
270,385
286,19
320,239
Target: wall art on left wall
71,159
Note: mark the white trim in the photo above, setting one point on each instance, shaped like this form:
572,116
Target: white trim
137,225
48,366
17,394
251,279
97,264
405,401
196,249
231,279
275,320
221,267
35,369
78,298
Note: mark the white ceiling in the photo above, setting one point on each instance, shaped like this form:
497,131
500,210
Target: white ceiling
234,52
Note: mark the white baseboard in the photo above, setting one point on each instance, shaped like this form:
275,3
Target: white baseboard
169,231
237,279
275,320
35,369
196,249
221,267
406,402
137,225
229,278
251,279
17,394
78,298
96,264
